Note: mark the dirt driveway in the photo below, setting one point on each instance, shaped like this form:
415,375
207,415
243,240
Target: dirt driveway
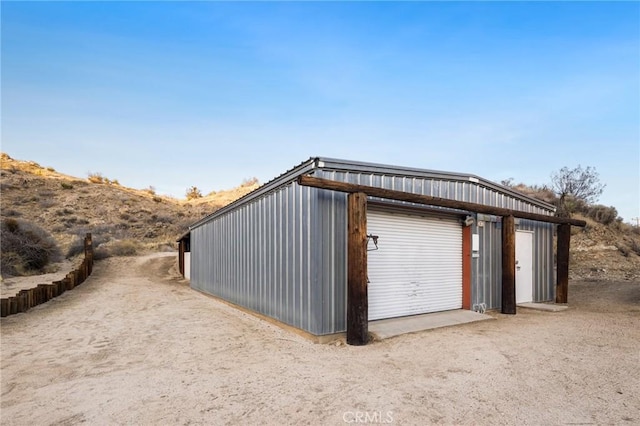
134,345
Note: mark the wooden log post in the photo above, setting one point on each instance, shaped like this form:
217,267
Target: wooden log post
88,252
67,283
4,307
60,286
357,297
181,247
73,278
80,272
79,278
28,299
562,272
508,265
85,267
22,301
42,293
13,306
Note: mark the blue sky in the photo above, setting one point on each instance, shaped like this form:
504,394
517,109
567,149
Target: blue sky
175,94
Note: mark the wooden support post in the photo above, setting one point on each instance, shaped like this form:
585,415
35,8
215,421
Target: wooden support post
562,259
72,276
508,265
181,247
61,287
357,297
4,307
21,301
88,252
42,293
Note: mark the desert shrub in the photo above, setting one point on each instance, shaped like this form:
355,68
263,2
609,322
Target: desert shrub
193,193
51,169
11,213
46,203
77,245
75,248
622,248
151,190
66,185
116,248
101,253
125,216
124,248
150,234
249,181
25,247
571,205
96,177
635,246
64,212
157,199
603,214
160,218
74,220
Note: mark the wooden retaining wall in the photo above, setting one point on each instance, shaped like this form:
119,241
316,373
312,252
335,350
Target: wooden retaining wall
27,299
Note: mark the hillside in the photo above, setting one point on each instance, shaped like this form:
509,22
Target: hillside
606,249
126,221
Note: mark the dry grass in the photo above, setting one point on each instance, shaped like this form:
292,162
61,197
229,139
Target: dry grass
68,207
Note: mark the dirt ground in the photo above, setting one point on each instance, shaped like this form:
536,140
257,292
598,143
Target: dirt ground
135,345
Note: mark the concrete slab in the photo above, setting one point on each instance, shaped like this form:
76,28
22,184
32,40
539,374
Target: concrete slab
383,329
549,307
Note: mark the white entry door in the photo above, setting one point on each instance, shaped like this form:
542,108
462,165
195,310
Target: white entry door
417,267
524,266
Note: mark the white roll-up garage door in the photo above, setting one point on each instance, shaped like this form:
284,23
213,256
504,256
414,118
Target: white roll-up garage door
418,265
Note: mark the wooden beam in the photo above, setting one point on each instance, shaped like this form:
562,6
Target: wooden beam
562,260
372,191
357,298
181,245
509,265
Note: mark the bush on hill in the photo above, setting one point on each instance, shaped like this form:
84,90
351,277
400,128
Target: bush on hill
25,248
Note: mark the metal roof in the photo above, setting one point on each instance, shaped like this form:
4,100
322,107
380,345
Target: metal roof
357,166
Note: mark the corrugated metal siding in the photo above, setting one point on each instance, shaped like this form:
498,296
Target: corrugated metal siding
282,251
543,277
487,268
332,259
486,276
259,256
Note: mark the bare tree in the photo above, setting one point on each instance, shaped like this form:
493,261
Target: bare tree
576,185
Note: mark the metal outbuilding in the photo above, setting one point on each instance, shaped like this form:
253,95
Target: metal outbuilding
282,249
